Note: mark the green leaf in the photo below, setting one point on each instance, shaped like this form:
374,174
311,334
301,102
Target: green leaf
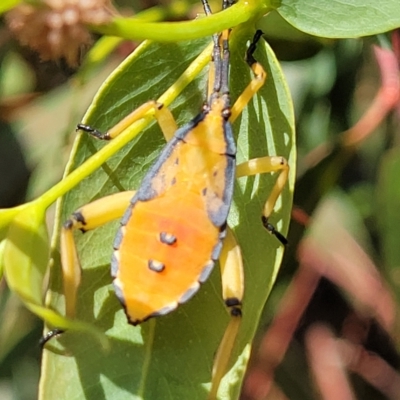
25,257
26,253
6,217
341,19
170,357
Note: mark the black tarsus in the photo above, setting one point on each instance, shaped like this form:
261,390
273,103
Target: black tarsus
271,229
49,335
93,132
252,48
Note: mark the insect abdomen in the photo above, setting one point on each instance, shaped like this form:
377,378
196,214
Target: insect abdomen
162,257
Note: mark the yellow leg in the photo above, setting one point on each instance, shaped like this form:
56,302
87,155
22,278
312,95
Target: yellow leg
88,217
231,265
255,84
164,118
264,165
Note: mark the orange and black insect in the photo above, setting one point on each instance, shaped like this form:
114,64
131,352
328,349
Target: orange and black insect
174,227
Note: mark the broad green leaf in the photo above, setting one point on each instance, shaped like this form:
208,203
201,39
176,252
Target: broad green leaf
341,19
170,357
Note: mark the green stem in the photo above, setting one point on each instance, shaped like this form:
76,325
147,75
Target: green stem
136,29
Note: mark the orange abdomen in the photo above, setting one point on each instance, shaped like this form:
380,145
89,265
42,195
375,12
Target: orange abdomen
178,264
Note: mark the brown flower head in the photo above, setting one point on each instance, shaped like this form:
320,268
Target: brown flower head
57,28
